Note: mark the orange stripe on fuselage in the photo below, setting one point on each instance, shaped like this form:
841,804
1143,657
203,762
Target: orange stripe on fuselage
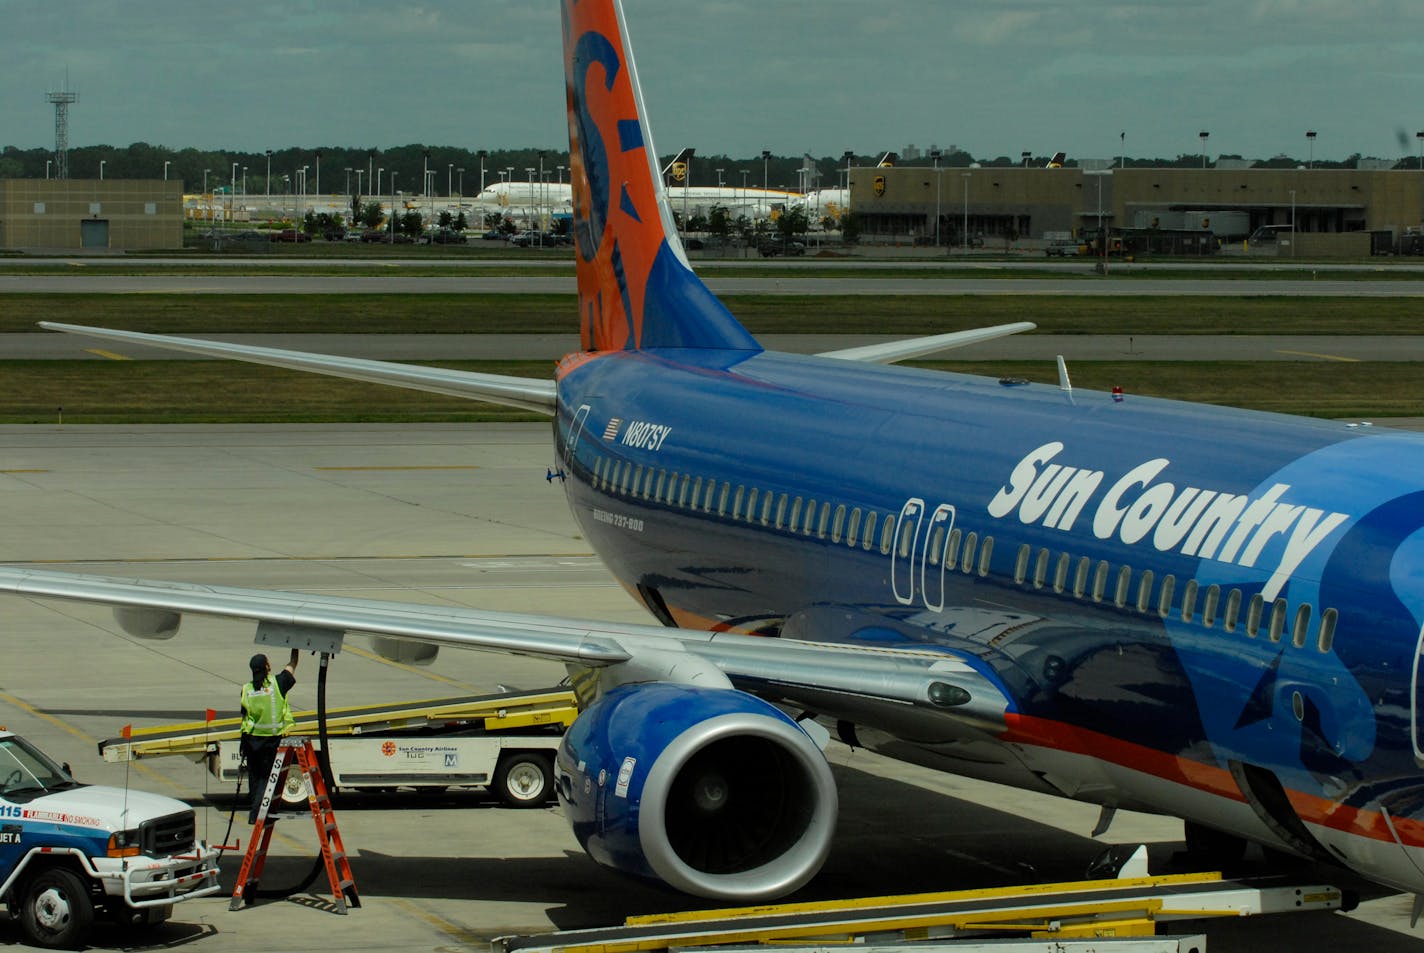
1312,809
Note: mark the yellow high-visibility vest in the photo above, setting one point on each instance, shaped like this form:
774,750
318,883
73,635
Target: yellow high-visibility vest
264,710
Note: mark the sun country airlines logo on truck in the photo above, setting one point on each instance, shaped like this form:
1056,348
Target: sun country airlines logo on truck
1141,508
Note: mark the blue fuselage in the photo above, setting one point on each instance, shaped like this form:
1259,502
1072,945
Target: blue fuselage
1225,601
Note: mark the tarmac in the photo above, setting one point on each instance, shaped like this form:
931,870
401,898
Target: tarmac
455,514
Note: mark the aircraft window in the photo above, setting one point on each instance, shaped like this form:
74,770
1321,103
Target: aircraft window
985,552
722,499
1164,598
971,543
682,490
907,536
795,520
1326,639
838,523
623,480
951,551
1144,591
1060,573
737,501
853,531
810,517
766,507
1233,610
1040,569
1080,578
707,498
936,547
1021,563
597,472
1189,600
696,492
649,475
1100,580
1209,604
1124,583
870,517
752,495
780,511
661,485
1253,615
825,518
1278,619
887,536
1300,629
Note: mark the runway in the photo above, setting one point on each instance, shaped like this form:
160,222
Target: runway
1031,346
449,514
1085,283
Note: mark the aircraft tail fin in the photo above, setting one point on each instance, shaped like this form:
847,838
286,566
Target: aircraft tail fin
1057,161
636,290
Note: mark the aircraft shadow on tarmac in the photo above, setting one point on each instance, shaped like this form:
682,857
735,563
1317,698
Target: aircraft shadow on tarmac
892,838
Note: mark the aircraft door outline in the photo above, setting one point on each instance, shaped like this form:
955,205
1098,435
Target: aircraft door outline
914,508
1416,710
944,515
575,432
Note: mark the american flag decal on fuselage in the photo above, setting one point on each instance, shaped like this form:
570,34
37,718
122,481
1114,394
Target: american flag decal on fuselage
611,430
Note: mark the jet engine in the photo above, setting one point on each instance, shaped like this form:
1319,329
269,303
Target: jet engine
712,791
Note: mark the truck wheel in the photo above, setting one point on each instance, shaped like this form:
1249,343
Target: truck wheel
524,779
57,911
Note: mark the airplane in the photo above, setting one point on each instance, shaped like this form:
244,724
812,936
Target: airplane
1196,611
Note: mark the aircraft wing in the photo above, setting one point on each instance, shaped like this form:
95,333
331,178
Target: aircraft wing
894,351
527,393
929,680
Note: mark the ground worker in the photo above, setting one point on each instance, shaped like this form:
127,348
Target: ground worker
266,717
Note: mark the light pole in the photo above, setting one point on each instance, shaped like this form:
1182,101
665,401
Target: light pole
244,180
935,154
166,164
1203,134
318,173
483,153
207,196
379,170
1310,138
965,176
268,190
101,169
359,173
1417,135
461,180
304,179
529,171
1292,195
348,180
50,162
849,157
370,167
1122,150
393,206
765,155
450,180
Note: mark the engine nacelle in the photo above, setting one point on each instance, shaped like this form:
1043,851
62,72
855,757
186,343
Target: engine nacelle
712,791
407,653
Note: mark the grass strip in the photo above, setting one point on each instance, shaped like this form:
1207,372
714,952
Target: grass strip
762,314
229,392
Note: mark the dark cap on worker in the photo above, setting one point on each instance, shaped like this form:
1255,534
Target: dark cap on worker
258,662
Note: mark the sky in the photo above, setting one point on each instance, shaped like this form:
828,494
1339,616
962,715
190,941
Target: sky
734,77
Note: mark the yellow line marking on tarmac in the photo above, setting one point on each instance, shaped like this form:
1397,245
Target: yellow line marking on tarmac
1323,357
450,467
451,930
106,354
24,471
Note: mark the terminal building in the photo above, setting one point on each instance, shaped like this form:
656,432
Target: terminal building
1315,212
91,214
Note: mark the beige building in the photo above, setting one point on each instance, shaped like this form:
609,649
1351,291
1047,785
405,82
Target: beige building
113,214
1333,211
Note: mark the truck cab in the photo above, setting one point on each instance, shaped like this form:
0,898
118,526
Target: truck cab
69,850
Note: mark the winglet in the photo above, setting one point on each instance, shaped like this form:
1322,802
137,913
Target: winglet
636,289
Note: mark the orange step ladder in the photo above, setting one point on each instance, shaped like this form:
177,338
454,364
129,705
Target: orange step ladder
333,852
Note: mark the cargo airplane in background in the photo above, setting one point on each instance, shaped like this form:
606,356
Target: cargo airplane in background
1190,610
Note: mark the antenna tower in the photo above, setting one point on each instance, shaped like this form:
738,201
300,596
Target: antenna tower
61,101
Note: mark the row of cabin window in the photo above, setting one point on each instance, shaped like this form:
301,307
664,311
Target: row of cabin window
1094,582
783,511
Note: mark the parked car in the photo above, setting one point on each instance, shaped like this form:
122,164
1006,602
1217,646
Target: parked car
495,235
776,245
448,236
291,235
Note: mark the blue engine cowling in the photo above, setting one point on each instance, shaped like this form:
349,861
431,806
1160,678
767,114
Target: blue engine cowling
711,791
